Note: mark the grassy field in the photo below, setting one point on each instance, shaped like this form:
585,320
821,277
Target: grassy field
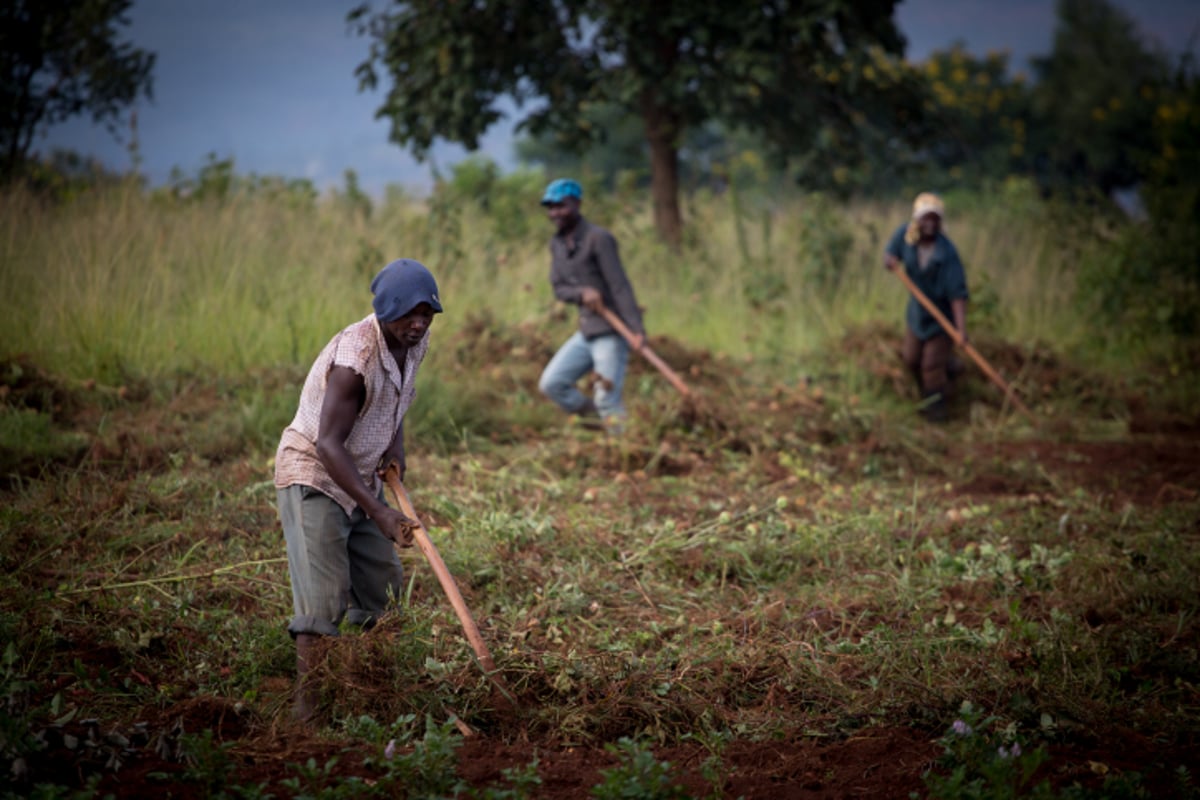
125,283
794,589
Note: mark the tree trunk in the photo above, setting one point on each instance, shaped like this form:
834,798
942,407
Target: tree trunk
662,134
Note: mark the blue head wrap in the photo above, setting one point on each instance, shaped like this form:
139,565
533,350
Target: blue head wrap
560,190
400,287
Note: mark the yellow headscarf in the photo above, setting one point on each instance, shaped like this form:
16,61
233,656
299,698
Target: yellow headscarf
926,203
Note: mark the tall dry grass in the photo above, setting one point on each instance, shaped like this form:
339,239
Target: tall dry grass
123,282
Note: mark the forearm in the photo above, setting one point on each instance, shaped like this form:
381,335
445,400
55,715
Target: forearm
628,311
959,309
395,451
340,466
568,293
621,290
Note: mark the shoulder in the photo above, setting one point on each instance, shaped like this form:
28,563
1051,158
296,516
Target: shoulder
356,344
948,247
365,331
603,244
595,233
896,240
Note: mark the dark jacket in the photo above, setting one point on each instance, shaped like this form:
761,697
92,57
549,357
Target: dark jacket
942,280
588,257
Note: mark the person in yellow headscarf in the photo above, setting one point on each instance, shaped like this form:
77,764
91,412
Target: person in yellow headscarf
923,250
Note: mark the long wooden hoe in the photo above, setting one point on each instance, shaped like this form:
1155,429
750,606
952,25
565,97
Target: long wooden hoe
671,375
957,338
391,477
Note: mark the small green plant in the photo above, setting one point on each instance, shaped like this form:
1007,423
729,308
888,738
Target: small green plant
365,728
211,767
523,784
982,762
314,781
430,769
1185,788
53,791
16,739
715,742
208,762
639,776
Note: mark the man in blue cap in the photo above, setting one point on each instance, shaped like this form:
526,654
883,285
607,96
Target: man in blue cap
585,270
348,428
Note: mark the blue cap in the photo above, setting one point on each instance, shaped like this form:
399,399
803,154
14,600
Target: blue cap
400,287
560,190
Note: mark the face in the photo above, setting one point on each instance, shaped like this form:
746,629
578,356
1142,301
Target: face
564,215
929,225
411,328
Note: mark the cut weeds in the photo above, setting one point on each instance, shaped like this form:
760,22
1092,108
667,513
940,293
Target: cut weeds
795,602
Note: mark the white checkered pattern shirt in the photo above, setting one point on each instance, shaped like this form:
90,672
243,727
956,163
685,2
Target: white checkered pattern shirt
389,393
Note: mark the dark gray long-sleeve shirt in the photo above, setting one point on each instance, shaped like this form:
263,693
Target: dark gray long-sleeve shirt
587,256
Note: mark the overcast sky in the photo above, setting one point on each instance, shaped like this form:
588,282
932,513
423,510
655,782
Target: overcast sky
271,82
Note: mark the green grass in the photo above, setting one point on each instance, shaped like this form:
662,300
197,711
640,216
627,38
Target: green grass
120,283
810,564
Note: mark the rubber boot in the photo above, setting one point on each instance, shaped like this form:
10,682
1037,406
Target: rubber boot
916,376
934,407
307,700
589,415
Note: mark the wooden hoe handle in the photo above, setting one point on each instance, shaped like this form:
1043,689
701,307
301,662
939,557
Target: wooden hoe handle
671,375
966,346
421,536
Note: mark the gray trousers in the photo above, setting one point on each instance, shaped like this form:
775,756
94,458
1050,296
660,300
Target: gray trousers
340,566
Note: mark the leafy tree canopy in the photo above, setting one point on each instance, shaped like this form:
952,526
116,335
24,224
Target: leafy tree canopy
778,67
59,59
1095,96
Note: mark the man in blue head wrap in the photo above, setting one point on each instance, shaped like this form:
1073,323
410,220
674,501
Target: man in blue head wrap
348,428
586,270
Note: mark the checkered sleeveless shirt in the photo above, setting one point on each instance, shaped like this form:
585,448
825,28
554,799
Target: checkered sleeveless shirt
389,393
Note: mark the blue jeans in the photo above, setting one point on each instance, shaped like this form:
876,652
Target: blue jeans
606,355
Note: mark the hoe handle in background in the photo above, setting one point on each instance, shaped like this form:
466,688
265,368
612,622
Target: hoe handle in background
421,536
671,375
954,334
